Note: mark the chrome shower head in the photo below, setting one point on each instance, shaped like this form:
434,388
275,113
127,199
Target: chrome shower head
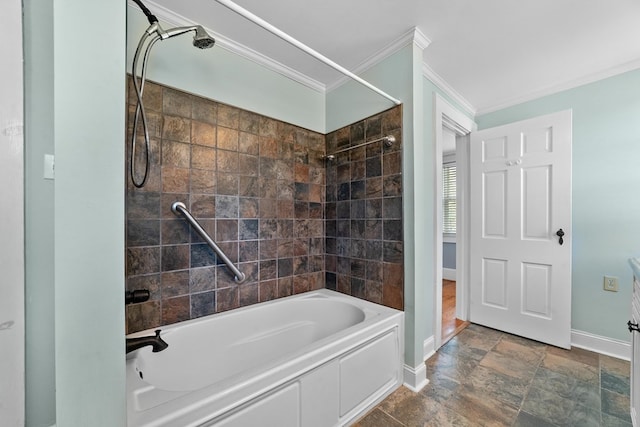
202,40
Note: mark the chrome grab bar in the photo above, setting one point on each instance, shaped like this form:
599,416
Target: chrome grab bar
180,208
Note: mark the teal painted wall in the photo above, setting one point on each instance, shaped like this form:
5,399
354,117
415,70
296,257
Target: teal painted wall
88,131
225,77
39,220
606,209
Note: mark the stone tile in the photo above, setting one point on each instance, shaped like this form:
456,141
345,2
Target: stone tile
527,420
584,416
285,287
145,232
175,180
611,421
228,116
143,316
392,252
228,161
516,349
615,366
202,255
227,299
248,293
507,389
203,157
202,279
482,409
572,368
576,354
175,310
508,365
142,204
249,144
175,257
203,134
584,393
615,404
203,181
175,102
616,383
392,186
227,139
176,154
409,408
227,184
203,206
548,406
143,260
203,304
176,129
377,418
204,110
456,368
267,290
446,417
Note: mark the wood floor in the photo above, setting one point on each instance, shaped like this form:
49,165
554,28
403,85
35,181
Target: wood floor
450,325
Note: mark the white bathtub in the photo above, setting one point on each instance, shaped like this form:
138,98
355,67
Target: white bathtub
316,359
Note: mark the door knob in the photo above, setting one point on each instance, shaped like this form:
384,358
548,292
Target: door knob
560,233
633,326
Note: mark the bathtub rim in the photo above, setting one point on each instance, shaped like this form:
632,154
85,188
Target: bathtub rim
197,404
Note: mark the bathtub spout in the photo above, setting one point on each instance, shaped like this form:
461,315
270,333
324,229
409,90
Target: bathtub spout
156,342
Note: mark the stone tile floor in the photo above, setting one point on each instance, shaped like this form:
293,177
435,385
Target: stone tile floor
484,377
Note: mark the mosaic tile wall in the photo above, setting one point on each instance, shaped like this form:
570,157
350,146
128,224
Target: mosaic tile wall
254,183
363,211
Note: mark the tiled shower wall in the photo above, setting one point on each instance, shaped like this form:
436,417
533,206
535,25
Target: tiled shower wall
257,185
363,211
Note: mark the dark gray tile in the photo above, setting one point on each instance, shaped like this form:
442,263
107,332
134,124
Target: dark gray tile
143,232
615,383
527,420
203,304
615,404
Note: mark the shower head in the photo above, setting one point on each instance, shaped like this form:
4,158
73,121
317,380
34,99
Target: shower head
202,40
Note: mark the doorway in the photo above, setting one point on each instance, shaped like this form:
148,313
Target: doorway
452,128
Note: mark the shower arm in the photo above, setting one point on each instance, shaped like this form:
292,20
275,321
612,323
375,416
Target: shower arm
286,37
179,208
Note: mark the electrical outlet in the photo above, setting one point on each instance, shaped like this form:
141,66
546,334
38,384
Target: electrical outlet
610,283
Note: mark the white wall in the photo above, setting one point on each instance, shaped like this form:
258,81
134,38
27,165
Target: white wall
12,223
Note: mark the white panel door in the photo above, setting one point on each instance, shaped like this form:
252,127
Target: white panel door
520,191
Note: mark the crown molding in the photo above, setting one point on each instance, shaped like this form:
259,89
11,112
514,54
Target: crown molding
571,84
447,88
172,18
414,35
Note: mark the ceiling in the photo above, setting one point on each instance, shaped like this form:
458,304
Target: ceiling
490,53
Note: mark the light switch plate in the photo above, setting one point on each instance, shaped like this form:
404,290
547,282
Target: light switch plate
610,283
49,166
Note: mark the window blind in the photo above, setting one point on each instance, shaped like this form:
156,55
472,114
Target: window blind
449,198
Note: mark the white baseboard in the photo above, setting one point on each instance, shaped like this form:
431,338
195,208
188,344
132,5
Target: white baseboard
415,379
429,347
603,345
449,274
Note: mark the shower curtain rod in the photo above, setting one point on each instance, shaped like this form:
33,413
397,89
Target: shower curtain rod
286,37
